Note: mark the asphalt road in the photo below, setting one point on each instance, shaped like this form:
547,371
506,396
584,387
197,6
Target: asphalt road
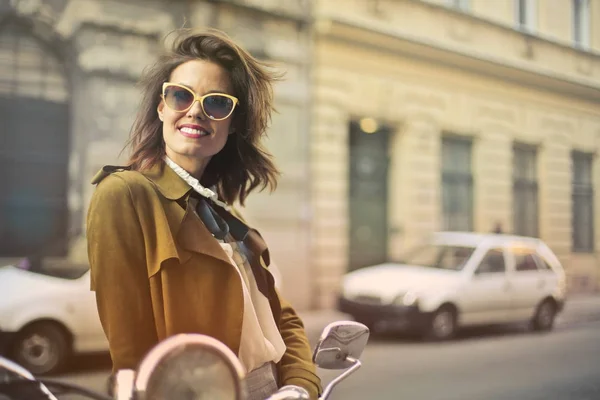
491,365
485,364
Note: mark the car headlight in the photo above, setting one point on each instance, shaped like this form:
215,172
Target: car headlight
406,299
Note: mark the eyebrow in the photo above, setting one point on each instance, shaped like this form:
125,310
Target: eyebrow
210,91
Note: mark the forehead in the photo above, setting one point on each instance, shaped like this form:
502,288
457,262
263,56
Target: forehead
202,76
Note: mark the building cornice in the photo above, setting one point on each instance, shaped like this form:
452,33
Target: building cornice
369,33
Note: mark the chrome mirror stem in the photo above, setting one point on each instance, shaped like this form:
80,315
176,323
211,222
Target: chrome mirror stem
356,364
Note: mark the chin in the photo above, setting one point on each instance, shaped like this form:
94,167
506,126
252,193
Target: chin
197,152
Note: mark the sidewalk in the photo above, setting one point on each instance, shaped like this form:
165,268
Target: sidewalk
580,308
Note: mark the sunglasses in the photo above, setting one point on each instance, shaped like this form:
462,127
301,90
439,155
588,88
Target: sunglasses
216,106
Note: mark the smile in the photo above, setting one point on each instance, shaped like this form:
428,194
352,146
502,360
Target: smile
193,132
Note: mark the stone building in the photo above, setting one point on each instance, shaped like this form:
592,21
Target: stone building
68,70
454,115
396,118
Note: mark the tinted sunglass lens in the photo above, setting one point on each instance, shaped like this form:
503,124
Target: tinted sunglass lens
217,106
178,98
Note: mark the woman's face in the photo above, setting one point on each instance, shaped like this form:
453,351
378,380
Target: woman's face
191,138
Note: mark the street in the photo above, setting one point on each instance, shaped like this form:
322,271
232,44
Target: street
564,364
486,363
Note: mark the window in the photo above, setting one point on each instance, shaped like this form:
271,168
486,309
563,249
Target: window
541,263
525,15
583,202
493,262
441,256
457,184
581,23
525,190
462,5
525,262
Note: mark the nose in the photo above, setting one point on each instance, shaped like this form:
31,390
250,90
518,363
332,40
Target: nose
196,111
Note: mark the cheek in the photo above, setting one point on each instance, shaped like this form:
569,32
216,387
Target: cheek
171,117
223,127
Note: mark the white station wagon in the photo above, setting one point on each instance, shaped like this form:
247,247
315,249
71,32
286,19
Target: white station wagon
458,279
47,315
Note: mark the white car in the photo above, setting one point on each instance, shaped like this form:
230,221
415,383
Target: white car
47,315
458,279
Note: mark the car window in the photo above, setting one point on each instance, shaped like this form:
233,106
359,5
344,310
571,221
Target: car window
441,256
541,263
493,262
525,262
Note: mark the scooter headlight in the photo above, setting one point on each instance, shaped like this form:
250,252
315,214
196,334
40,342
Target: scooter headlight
194,367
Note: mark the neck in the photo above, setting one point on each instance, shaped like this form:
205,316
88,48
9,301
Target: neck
194,182
195,167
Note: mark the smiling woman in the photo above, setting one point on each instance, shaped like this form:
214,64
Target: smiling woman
168,254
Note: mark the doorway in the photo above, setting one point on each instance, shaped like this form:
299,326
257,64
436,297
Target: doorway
368,200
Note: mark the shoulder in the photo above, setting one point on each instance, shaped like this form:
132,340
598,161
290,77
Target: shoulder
118,183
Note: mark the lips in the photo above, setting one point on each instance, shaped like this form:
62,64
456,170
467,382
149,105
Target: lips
193,131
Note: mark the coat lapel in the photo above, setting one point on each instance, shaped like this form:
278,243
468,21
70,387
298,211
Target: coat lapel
194,237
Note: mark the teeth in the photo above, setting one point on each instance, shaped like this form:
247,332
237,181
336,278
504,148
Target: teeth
192,131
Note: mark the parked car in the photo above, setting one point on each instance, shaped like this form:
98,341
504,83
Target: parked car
458,279
47,315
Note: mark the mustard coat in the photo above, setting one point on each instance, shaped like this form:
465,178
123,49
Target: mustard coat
157,271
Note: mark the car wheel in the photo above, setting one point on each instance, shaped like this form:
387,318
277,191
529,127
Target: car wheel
42,348
443,324
544,317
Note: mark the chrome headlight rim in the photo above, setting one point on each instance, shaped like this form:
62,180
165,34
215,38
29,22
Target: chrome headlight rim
164,348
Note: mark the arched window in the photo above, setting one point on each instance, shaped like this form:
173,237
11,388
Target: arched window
34,145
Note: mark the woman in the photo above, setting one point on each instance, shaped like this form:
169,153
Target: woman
167,254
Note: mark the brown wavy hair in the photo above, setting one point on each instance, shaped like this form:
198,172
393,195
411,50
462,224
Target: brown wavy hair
243,164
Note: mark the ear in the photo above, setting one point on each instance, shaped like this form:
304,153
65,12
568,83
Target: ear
160,110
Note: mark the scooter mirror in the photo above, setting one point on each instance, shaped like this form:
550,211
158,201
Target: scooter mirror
190,366
340,345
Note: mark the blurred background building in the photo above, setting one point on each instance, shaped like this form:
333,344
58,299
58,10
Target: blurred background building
68,70
396,118
456,115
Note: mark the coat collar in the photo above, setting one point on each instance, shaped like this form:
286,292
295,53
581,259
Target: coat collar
167,181
190,231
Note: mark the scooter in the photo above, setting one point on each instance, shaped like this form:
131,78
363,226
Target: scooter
194,367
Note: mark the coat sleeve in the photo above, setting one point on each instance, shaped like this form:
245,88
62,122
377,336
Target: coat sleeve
119,276
296,366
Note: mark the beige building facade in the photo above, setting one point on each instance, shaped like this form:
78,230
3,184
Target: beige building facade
396,118
457,115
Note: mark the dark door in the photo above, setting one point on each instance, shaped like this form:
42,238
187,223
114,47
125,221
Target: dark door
34,148
368,196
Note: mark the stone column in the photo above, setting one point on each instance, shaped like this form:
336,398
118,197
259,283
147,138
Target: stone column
555,191
419,173
329,172
492,177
